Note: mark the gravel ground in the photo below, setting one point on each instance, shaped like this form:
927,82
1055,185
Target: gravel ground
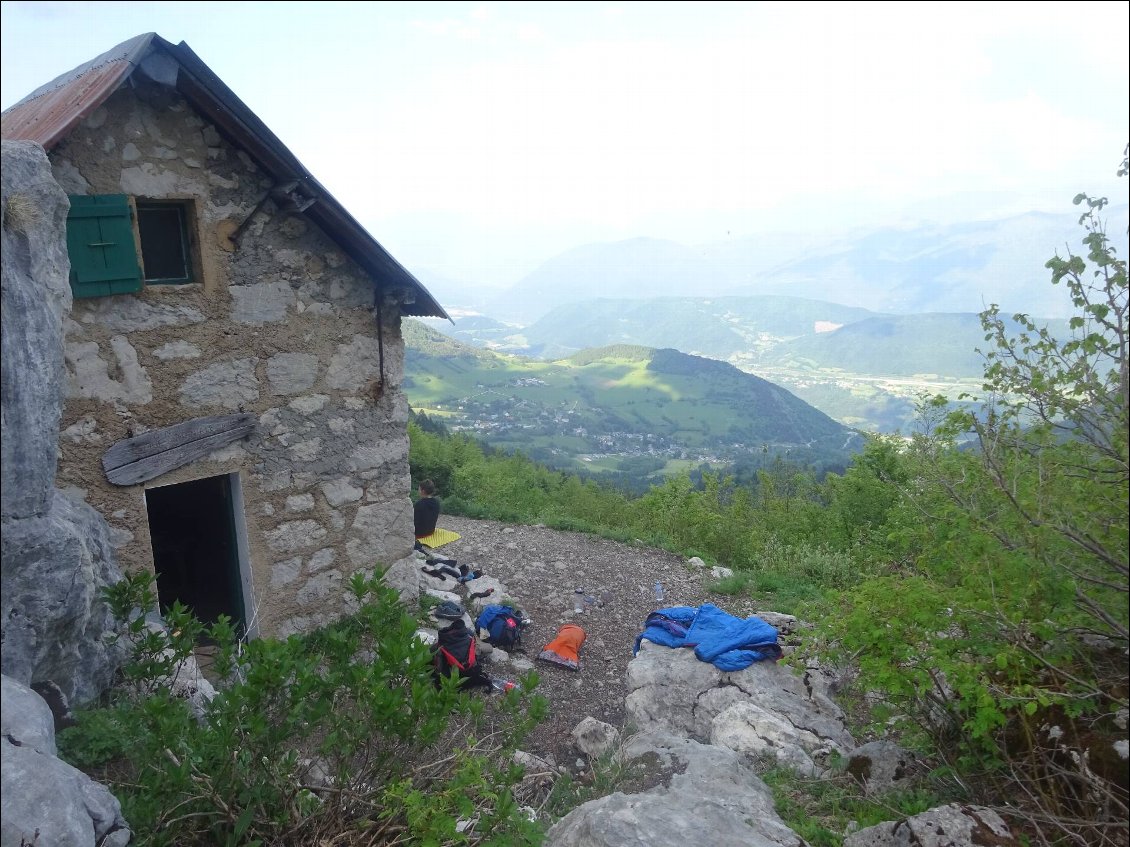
541,568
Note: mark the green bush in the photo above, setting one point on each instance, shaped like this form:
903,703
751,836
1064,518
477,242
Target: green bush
997,627
402,760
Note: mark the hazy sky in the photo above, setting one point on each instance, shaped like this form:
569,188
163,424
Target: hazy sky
479,139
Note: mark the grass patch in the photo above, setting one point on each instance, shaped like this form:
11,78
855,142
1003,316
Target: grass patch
610,773
741,584
821,811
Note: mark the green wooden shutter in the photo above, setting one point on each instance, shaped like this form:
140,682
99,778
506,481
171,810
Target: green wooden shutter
101,246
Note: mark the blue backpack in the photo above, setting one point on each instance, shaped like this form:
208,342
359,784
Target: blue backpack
503,625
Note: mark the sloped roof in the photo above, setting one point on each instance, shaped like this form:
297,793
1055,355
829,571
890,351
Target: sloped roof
50,112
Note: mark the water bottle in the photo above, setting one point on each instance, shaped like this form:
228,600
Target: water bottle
579,601
502,685
658,591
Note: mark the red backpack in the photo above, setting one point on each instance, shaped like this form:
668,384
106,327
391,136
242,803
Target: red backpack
455,654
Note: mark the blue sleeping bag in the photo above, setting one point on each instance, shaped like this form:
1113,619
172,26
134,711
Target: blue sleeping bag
727,642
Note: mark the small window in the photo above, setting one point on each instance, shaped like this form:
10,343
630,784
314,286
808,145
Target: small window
166,247
118,244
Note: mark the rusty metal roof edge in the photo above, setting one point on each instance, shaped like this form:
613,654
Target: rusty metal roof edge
49,124
366,247
130,51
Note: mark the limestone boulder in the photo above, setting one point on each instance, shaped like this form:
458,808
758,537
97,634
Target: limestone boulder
404,576
713,797
36,296
55,553
764,711
54,618
26,719
43,800
882,766
954,825
595,738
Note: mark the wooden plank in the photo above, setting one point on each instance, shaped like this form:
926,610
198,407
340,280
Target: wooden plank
159,440
147,456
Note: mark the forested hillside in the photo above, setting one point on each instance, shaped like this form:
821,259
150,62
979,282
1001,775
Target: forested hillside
625,410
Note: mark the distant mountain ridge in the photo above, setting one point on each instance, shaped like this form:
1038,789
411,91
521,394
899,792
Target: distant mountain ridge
718,327
769,330
916,268
936,343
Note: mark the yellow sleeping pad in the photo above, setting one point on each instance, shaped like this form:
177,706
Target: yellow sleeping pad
439,538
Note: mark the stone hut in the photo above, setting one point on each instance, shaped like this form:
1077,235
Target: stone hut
233,354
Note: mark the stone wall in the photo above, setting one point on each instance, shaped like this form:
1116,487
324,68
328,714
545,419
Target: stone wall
282,326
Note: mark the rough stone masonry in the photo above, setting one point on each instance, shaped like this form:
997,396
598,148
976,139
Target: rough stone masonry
281,325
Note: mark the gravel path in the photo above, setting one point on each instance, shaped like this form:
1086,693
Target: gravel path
541,568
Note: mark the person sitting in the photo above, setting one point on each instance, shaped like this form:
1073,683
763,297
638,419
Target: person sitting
426,511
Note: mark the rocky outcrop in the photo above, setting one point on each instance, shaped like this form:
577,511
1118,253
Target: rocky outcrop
946,826
719,728
36,296
710,730
55,555
882,766
713,797
764,711
44,800
54,567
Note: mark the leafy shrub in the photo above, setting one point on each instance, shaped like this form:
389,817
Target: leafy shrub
400,760
998,630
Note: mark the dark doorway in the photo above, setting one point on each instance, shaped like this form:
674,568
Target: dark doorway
195,551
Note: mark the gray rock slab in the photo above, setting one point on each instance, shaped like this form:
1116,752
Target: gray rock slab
44,796
26,718
294,535
716,799
225,384
354,364
945,826
35,297
292,373
128,313
341,491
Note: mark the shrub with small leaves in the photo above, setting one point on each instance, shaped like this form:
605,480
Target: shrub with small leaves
338,735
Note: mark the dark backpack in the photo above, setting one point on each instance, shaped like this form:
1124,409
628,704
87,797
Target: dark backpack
502,625
455,654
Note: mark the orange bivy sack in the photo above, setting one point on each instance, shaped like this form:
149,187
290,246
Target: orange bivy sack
565,649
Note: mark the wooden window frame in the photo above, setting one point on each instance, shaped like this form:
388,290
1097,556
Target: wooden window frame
189,232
